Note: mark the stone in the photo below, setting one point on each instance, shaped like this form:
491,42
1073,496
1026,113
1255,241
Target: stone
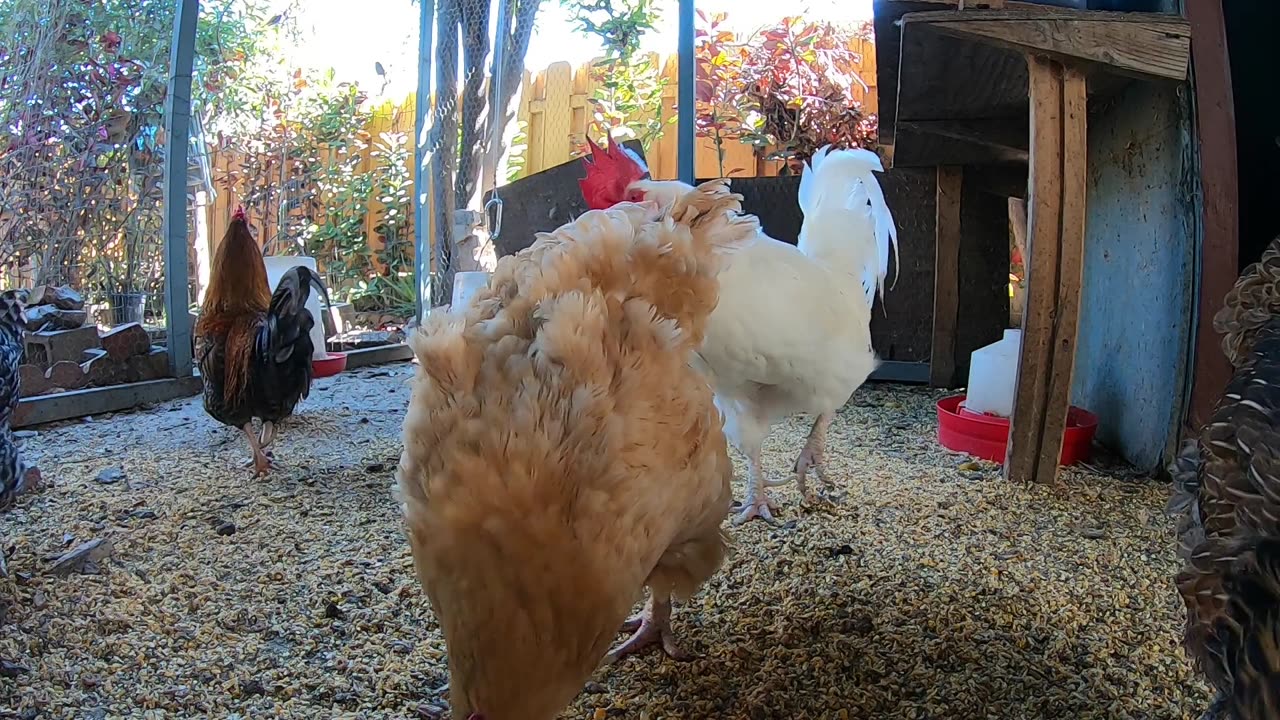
31,381
59,296
49,346
50,317
126,341
83,558
358,339
67,375
151,366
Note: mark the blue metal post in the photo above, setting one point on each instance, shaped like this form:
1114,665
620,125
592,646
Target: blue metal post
421,177
685,106
177,126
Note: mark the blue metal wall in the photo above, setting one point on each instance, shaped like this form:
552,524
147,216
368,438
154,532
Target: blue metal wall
1137,309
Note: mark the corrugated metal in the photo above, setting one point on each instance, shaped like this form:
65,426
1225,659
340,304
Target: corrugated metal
1139,273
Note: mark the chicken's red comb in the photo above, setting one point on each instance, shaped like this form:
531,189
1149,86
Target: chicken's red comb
609,172
239,213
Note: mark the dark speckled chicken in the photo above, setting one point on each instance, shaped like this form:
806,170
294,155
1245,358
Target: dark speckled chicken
1227,490
16,475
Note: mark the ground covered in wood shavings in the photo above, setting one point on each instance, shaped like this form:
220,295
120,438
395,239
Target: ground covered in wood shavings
932,590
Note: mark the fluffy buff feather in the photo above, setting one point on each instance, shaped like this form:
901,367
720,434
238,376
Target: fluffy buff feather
560,454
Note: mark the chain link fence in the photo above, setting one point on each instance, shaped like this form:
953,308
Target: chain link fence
477,70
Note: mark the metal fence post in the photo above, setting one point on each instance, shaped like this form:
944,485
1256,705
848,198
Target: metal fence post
177,126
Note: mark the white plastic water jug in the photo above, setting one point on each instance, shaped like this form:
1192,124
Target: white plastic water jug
277,266
466,285
993,376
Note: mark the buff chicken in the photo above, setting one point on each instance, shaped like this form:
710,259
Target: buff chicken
254,346
1227,491
561,455
764,365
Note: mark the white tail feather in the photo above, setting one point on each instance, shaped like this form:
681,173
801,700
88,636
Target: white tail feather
843,179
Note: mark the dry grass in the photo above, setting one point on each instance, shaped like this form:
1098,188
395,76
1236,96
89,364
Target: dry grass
933,590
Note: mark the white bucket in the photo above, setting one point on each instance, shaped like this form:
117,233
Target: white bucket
466,285
277,266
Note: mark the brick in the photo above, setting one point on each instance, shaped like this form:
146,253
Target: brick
126,341
50,346
31,381
152,366
67,375
102,371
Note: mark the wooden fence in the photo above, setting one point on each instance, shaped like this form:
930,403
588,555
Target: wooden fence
555,109
553,104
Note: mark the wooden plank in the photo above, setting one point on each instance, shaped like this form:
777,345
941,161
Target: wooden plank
946,278
1220,249
1006,141
1144,45
1027,422
1070,272
96,401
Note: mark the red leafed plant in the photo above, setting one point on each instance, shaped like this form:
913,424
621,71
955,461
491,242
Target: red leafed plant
718,88
800,77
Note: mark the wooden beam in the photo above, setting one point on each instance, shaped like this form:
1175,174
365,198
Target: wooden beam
946,278
1031,395
96,401
1008,142
1070,273
1220,246
1143,45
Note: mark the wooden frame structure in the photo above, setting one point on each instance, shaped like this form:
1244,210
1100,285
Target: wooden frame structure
1051,60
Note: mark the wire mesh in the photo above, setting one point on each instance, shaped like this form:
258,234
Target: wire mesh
477,68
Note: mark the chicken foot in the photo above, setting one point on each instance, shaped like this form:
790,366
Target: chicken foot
814,456
757,503
651,627
265,438
261,461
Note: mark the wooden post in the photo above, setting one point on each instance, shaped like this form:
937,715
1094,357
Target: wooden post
1055,261
1070,272
1220,251
946,278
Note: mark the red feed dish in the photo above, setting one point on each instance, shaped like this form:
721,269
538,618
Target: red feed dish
987,436
332,365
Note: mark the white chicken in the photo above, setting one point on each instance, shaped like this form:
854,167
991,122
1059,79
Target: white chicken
792,331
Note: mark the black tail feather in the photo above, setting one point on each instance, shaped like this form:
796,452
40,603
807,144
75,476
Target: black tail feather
288,319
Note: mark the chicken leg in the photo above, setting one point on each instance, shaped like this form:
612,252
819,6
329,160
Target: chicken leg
651,627
757,503
261,462
813,456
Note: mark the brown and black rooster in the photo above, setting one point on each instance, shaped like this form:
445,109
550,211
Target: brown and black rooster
1227,490
254,346
16,474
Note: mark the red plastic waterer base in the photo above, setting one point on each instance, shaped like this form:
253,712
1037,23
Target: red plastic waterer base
987,436
335,363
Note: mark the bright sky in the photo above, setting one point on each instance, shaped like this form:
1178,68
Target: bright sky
386,31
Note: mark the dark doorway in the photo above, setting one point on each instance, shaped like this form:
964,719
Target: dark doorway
1251,43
